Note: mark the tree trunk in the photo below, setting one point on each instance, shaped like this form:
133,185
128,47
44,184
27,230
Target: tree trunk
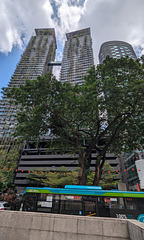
82,177
84,170
97,176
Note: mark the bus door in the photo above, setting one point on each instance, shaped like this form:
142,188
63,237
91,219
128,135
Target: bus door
30,203
104,206
90,206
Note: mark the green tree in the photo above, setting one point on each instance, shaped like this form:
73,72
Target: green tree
8,163
109,178
105,113
53,179
64,177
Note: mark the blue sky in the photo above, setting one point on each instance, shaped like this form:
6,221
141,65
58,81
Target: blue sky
108,19
8,64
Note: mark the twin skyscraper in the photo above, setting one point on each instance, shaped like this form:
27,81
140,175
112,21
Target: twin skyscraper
39,56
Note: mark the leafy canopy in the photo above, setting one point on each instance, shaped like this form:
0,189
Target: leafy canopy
8,164
52,179
105,113
64,177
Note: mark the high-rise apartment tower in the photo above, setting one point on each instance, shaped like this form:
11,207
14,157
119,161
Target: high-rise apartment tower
116,49
77,56
34,62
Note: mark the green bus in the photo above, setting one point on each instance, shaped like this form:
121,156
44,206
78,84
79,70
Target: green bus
84,200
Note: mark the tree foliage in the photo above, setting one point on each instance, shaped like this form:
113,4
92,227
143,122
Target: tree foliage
105,113
109,178
8,164
53,179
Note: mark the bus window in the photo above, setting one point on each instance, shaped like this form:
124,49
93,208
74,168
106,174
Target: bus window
45,202
114,202
130,203
121,203
30,203
140,203
89,206
56,203
71,205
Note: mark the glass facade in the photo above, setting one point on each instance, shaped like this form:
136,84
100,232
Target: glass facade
116,49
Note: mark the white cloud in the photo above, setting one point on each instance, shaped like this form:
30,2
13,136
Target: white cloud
114,20
69,17
9,32
20,18
108,20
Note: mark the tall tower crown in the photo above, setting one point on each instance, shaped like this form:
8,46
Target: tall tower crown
116,49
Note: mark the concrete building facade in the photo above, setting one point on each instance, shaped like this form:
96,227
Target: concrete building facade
77,56
39,158
33,63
